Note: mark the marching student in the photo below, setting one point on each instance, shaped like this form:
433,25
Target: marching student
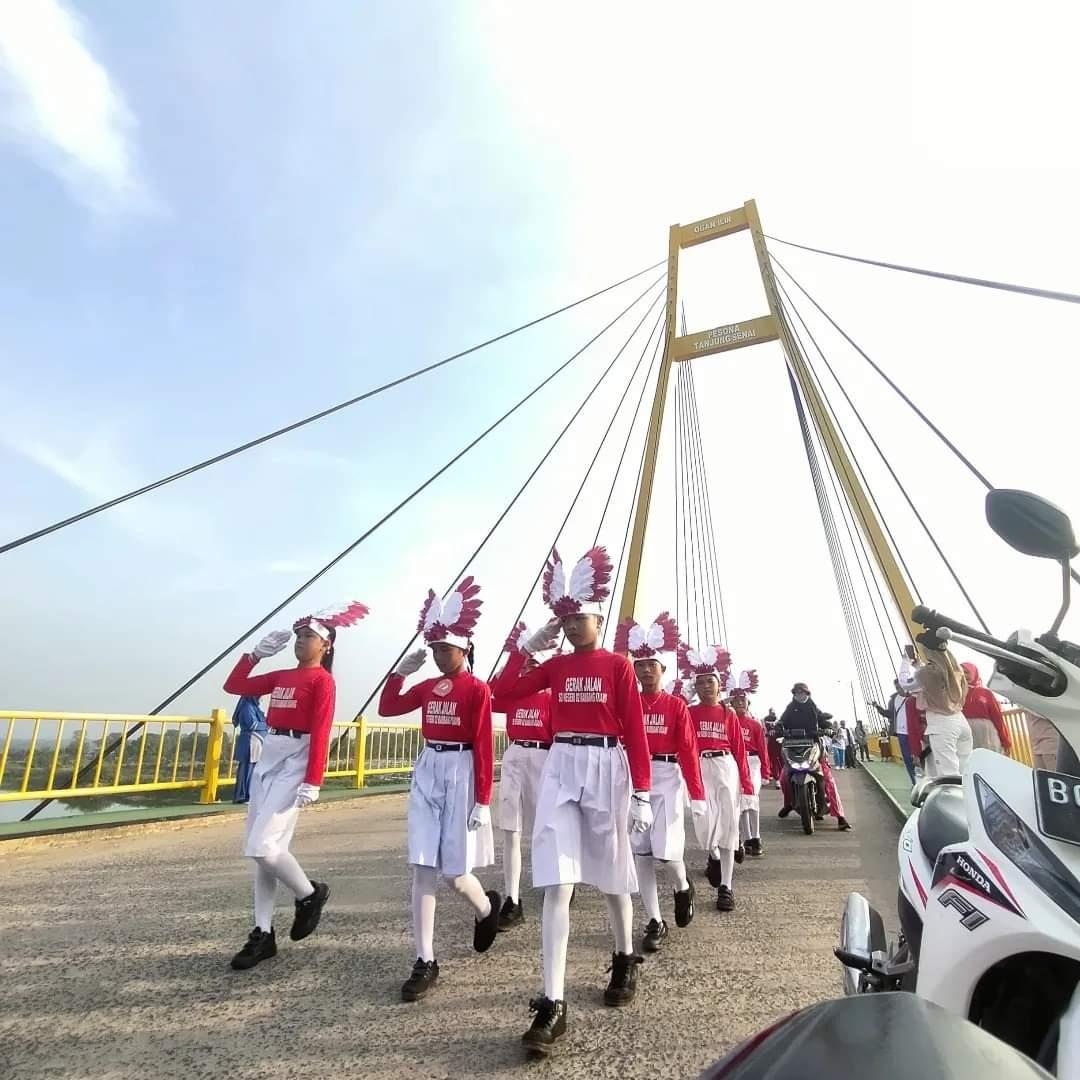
589,791
450,794
528,727
757,758
724,769
675,771
289,770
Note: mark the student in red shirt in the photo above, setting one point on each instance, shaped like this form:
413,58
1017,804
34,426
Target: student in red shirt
983,713
289,771
528,727
724,769
450,793
589,790
675,771
757,758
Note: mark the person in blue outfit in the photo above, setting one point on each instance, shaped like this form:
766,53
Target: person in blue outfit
251,729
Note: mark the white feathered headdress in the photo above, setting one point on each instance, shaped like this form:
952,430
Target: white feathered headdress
746,683
586,587
711,660
451,621
683,688
646,642
345,614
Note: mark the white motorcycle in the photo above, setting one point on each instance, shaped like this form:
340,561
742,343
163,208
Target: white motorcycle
989,899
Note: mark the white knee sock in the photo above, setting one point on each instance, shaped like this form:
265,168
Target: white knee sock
555,935
650,897
621,916
678,872
727,866
425,879
288,871
512,864
265,887
754,824
468,886
744,827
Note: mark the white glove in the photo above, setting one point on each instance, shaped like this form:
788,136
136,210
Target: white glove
640,811
411,663
699,808
255,746
273,643
544,638
480,817
308,794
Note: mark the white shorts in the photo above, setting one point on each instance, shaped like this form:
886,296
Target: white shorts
719,828
752,802
441,798
582,829
272,813
666,839
519,786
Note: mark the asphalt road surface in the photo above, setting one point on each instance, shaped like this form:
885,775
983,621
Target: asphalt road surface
115,948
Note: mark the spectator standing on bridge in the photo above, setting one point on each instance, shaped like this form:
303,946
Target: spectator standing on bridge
675,772
940,689
251,729
725,771
528,727
757,760
983,713
896,712
589,791
289,771
862,740
450,793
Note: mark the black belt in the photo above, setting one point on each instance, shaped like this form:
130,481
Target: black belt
753,753
588,740
439,747
290,733
531,745
715,753
665,757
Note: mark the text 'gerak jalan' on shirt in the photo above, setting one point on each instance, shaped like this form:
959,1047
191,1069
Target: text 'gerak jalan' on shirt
592,693
670,730
301,699
527,720
454,709
717,728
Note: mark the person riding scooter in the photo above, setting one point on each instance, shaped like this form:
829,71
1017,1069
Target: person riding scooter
803,715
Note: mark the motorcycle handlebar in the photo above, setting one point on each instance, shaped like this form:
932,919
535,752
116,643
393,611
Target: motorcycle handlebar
934,620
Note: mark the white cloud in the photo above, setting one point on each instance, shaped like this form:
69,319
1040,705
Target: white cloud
64,108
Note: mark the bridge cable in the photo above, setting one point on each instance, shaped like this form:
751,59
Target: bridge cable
675,492
1026,290
109,504
692,563
353,546
709,604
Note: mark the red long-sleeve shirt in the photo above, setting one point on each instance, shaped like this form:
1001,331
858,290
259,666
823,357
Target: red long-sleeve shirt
753,736
670,730
527,720
302,699
717,728
916,726
982,705
455,708
592,693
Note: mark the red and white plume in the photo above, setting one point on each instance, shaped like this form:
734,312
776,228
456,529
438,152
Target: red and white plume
451,621
338,615
747,682
515,643
683,688
583,590
711,660
647,642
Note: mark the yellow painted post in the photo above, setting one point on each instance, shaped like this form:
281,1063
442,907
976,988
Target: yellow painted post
361,752
213,756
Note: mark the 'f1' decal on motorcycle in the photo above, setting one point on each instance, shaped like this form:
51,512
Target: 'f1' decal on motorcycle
959,868
970,916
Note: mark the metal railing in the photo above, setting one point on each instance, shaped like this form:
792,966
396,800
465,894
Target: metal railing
1017,727
69,756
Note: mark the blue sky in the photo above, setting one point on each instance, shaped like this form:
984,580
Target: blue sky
217,219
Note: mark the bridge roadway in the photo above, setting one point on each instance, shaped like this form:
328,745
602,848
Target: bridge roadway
114,951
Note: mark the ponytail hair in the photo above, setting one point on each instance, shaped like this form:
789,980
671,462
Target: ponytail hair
470,656
328,656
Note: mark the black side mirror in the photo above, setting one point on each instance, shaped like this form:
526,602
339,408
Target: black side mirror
1031,525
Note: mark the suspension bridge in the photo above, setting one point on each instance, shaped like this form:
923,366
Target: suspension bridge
134,923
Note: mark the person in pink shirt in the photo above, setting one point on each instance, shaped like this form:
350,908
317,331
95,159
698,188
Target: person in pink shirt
675,773
528,727
289,772
757,758
724,768
591,787
450,793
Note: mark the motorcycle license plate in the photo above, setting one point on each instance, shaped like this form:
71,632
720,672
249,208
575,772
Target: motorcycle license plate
1057,802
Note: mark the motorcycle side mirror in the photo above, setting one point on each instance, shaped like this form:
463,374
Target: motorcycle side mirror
1031,525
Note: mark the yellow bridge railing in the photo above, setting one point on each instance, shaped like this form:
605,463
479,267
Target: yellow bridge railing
68,755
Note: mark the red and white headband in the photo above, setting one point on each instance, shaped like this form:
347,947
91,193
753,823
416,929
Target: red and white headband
647,642
451,621
346,614
584,590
